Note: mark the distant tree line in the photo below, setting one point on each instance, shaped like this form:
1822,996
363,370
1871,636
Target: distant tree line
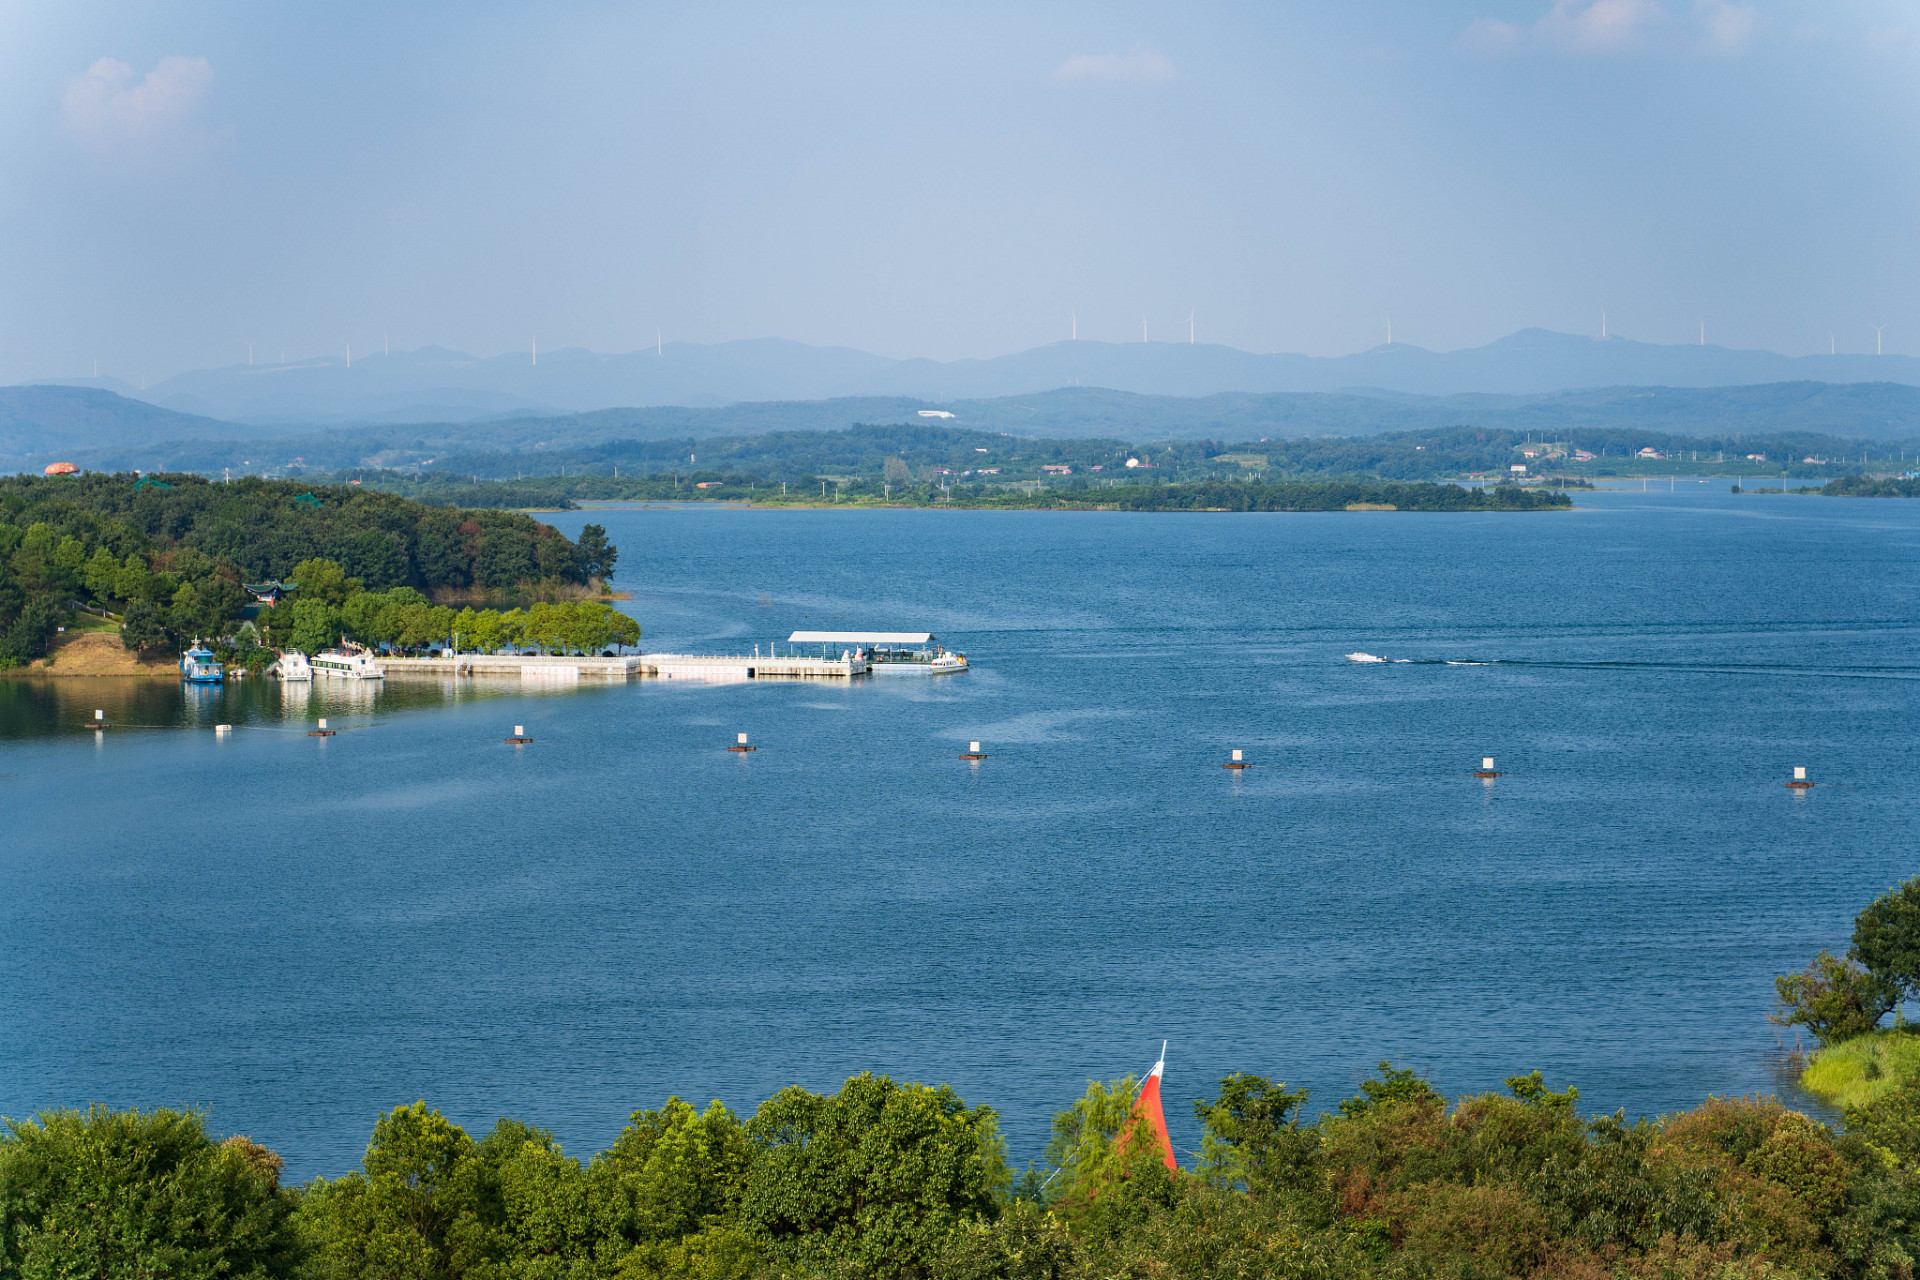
908,456
169,554
894,1181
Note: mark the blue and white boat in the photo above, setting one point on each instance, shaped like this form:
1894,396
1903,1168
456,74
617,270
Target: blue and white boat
198,667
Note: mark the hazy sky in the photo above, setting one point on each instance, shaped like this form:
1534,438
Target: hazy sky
949,180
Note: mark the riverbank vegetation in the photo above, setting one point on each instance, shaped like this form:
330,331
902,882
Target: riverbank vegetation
1842,1000
167,556
904,1181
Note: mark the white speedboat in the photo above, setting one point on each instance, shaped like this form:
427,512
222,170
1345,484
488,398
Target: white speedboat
349,664
293,665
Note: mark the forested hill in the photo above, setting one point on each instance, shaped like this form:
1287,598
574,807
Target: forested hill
179,547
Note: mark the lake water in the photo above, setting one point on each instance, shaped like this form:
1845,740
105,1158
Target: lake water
298,933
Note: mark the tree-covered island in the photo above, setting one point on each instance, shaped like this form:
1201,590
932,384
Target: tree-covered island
165,559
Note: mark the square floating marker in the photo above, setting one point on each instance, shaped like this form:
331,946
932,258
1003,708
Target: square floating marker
1238,761
1486,768
973,752
519,737
740,744
1800,777
321,732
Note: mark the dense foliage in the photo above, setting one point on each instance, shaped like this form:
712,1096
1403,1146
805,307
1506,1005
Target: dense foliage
1872,487
328,606
169,554
901,1181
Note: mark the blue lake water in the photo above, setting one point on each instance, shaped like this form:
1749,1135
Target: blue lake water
298,933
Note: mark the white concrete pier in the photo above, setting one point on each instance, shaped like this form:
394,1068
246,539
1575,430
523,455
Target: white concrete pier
712,668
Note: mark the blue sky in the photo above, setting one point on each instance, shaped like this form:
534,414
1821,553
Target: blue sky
940,180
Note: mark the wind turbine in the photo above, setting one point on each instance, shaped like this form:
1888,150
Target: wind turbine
1074,331
349,355
1190,315
1703,333
536,349
385,349
1603,324
659,343
249,355
1143,328
1877,331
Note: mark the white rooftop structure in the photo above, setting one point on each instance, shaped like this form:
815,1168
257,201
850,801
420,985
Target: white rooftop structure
860,637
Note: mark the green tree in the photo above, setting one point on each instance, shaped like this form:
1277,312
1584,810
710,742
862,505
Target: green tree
107,1195
143,626
673,1182
1834,999
316,625
1396,1084
1886,938
873,1177
102,572
395,1220
1252,1136
597,555
321,579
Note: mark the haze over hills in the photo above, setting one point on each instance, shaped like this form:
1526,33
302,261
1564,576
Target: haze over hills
434,384
105,432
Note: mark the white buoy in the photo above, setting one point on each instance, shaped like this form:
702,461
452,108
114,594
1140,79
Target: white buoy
1799,773
99,715
519,731
974,747
323,722
1486,762
223,728
1236,753
742,739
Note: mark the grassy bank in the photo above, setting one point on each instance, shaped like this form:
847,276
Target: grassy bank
1864,1069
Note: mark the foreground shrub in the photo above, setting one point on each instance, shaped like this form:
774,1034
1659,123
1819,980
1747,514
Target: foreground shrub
139,1193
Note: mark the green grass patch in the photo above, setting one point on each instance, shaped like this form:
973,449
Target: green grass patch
1858,1071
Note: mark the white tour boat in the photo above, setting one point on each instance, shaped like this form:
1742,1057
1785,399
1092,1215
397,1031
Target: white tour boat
911,651
350,664
293,665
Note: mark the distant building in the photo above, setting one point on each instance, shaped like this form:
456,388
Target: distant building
1518,468
935,413
1756,457
1055,470
61,469
1649,453
1581,455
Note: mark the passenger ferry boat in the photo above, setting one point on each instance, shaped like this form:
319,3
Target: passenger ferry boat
910,651
198,667
293,665
351,664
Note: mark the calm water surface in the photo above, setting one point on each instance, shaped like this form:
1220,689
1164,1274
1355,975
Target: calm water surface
297,933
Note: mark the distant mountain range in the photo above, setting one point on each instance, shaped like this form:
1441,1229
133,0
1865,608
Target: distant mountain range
434,384
99,430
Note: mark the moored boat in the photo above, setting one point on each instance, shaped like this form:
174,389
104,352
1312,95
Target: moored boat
293,665
197,666
350,664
